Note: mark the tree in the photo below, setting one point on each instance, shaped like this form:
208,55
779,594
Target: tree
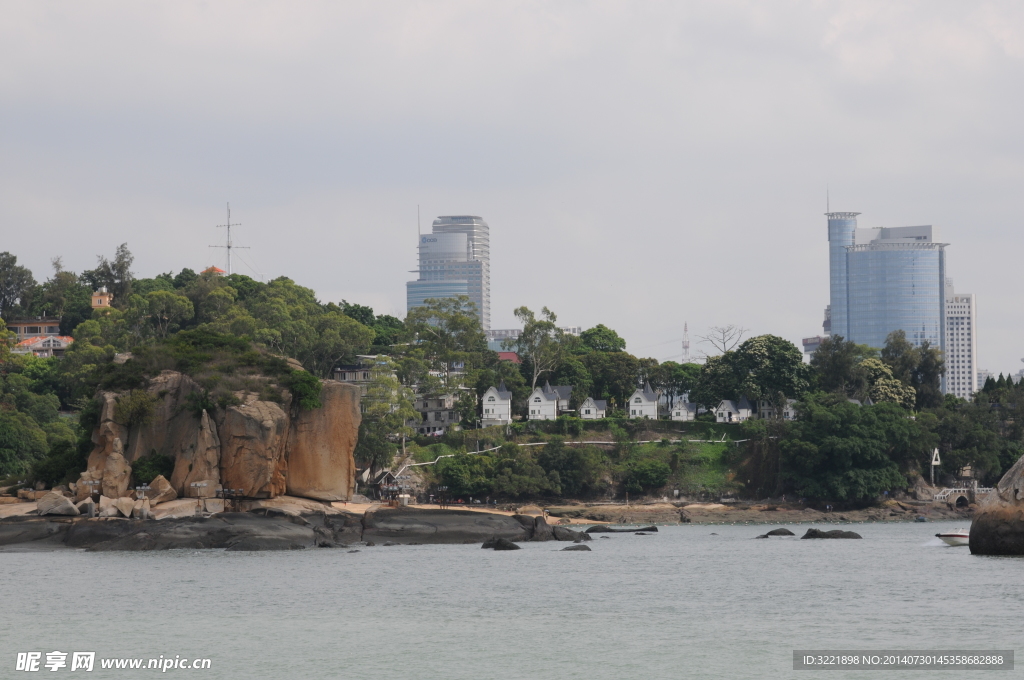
387,410
167,308
15,283
920,368
115,275
723,338
772,370
836,365
600,338
572,372
615,375
882,386
360,313
449,334
719,379
540,343
675,379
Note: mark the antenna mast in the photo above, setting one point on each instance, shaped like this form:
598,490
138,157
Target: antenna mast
229,245
686,343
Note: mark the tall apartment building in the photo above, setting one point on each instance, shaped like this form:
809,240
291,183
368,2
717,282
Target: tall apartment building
454,260
886,279
961,350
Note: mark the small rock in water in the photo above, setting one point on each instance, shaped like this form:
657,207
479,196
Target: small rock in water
580,547
370,544
352,551
641,533
605,537
505,544
835,533
780,532
762,536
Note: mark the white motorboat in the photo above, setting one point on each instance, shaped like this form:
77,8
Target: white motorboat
955,537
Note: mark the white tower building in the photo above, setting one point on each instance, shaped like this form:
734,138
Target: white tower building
961,344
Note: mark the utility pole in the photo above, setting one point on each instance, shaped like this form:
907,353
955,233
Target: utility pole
229,245
686,343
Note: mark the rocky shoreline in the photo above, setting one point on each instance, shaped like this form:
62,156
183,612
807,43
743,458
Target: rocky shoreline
269,528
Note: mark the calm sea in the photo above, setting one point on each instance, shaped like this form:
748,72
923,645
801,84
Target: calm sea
680,604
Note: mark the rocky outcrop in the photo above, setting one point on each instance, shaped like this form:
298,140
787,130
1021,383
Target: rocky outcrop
54,503
108,431
320,445
998,528
116,472
579,547
262,448
410,525
171,429
253,440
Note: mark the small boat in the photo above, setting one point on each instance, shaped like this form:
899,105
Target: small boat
956,537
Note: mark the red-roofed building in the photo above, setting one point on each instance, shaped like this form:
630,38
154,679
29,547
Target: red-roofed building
215,270
44,345
509,356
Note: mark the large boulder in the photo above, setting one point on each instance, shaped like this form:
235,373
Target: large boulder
183,507
107,507
320,445
998,527
160,491
124,505
55,503
116,472
83,490
542,531
198,457
253,439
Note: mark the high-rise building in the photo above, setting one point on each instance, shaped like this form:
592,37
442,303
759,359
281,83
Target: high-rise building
842,227
961,351
884,280
454,260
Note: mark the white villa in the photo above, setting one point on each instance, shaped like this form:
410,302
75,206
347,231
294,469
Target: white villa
644,403
547,402
767,411
497,406
683,411
593,409
734,411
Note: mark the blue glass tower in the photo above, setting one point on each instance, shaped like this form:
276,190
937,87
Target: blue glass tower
842,228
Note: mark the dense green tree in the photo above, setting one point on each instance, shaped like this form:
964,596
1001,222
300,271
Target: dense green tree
448,333
15,284
578,468
836,366
115,275
168,309
675,379
600,338
360,313
772,370
387,412
572,372
615,375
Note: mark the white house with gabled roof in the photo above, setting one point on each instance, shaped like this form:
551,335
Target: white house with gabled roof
593,409
730,411
683,411
547,402
496,406
643,403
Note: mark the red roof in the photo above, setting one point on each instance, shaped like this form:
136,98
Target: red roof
39,338
509,356
215,270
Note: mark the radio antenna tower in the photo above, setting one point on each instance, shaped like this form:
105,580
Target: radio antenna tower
230,245
686,343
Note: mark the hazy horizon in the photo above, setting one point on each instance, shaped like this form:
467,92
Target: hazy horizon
638,165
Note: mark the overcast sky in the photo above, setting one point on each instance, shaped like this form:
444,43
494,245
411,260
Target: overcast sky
640,164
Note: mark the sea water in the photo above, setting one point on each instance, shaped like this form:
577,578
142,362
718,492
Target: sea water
687,602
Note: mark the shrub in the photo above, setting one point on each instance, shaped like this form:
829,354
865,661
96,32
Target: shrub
306,388
134,408
147,468
645,475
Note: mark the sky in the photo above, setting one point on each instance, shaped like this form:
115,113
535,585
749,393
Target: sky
641,165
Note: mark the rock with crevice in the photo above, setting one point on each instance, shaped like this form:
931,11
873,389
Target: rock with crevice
253,440
198,457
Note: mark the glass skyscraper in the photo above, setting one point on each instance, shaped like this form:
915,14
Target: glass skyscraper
884,280
454,260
